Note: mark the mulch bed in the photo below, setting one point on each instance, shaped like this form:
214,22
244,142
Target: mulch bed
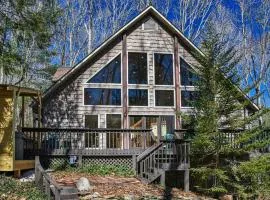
115,186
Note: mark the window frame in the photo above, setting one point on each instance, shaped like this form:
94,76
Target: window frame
118,106
148,74
169,89
95,73
148,97
154,68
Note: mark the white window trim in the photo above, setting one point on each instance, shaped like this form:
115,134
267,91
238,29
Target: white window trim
148,97
167,53
148,77
117,113
169,89
98,106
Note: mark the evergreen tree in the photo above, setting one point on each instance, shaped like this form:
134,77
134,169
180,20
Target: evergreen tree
219,105
26,28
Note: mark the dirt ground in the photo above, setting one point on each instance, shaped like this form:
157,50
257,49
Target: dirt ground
113,187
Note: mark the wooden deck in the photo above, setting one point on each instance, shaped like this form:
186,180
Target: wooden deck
50,141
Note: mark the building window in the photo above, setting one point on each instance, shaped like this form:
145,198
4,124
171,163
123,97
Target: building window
113,121
113,139
91,121
163,69
111,73
164,97
138,97
188,98
91,139
188,76
102,96
137,68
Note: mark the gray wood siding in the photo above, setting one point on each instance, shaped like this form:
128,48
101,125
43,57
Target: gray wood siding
66,109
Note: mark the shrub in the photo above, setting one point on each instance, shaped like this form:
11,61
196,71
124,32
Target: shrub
11,188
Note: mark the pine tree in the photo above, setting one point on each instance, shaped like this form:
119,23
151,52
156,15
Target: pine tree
220,104
26,29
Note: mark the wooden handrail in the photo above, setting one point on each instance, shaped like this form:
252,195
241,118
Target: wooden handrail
83,130
148,151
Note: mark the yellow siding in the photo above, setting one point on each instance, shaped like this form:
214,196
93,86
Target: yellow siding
6,140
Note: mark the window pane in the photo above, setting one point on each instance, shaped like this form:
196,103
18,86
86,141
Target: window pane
111,73
135,122
164,98
187,98
102,96
114,139
163,69
91,121
138,97
91,138
137,68
113,121
188,77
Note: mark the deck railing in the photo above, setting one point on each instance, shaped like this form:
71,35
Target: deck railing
167,155
55,141
51,189
232,137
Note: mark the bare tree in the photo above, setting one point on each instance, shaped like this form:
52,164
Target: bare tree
192,15
247,28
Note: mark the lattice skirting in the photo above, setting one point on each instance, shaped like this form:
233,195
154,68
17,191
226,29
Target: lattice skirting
112,160
62,161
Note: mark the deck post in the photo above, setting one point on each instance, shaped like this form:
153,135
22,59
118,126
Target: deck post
163,179
37,172
186,180
134,162
80,160
124,81
177,82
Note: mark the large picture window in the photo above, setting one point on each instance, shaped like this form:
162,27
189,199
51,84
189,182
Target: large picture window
164,97
163,69
188,76
102,96
111,73
137,68
138,97
188,98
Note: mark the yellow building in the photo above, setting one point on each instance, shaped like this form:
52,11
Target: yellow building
10,124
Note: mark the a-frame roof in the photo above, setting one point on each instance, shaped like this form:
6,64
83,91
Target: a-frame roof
149,11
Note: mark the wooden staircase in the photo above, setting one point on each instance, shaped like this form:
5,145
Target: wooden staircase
153,163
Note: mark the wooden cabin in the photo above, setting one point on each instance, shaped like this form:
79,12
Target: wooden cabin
12,118
120,104
139,78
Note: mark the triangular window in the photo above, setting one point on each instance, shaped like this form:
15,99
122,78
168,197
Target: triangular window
188,75
111,73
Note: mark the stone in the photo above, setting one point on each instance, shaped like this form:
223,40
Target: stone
83,185
95,195
28,176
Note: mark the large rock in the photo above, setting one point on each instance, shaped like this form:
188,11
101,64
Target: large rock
83,185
